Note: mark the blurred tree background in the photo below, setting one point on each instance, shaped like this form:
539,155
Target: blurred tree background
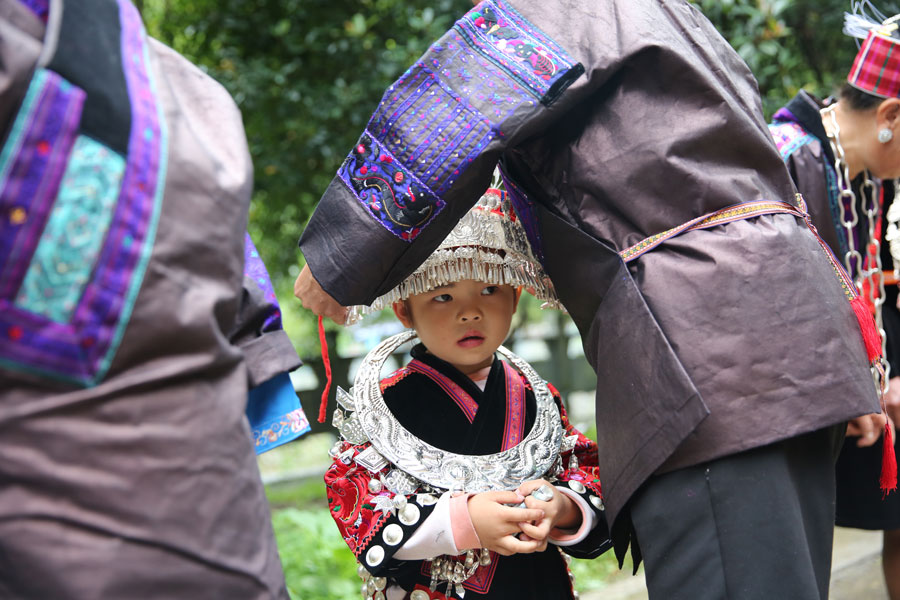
307,74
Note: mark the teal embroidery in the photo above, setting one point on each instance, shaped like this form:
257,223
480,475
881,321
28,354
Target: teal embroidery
789,137
62,264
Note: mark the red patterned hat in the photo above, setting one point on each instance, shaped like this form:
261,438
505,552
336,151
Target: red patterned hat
876,69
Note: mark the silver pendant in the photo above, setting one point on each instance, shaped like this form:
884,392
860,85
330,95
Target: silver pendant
371,460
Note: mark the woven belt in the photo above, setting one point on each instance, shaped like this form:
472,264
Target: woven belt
720,217
740,212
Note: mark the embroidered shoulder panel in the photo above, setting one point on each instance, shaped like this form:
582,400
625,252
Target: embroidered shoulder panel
374,521
491,69
531,57
74,242
789,137
68,247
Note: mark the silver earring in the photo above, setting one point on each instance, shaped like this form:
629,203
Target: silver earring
885,135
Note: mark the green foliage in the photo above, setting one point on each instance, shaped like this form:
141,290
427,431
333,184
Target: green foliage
317,563
597,573
788,44
309,493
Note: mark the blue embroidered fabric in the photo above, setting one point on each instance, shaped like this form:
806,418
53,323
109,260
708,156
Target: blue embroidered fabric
443,113
273,407
274,412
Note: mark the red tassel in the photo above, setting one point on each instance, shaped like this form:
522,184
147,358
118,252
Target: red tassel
870,334
323,404
888,462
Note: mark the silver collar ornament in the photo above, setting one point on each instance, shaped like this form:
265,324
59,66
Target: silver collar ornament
416,466
362,416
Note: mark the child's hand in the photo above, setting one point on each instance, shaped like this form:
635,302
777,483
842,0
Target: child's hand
498,524
560,511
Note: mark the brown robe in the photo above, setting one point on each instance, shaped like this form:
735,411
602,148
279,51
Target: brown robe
129,473
618,120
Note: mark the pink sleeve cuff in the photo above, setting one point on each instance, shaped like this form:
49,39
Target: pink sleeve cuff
464,535
567,537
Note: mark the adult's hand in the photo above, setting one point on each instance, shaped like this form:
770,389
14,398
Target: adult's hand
867,427
314,298
892,399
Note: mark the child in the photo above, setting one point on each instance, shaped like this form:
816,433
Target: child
407,487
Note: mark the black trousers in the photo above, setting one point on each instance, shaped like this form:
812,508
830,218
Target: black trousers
755,525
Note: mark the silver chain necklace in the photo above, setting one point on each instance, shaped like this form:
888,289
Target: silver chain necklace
868,270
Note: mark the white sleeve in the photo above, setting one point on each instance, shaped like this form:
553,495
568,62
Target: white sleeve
433,537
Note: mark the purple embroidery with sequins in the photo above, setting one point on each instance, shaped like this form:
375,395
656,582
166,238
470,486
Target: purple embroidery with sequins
491,69
32,164
255,270
521,49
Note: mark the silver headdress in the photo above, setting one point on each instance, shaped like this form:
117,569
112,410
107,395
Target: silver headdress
488,244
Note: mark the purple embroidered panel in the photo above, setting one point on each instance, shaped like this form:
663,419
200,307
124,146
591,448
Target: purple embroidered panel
82,349
427,125
490,70
391,193
527,214
517,46
255,269
41,8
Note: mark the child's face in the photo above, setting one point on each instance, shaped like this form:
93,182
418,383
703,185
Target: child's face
462,323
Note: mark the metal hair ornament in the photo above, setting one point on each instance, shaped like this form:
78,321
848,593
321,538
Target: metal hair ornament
488,244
